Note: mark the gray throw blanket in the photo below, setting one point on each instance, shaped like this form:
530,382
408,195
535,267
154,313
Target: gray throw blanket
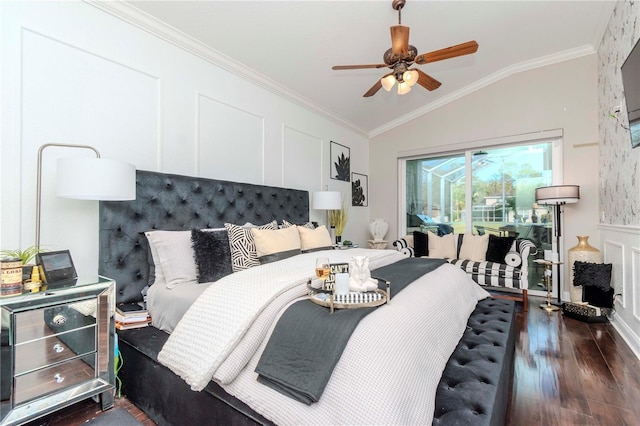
308,341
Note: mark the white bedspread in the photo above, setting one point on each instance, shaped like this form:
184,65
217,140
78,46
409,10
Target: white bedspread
217,321
389,370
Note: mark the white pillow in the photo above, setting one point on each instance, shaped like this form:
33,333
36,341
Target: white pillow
442,247
314,239
474,247
276,244
174,256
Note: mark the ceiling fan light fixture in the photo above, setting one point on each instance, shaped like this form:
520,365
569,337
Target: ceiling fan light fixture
388,82
403,88
410,77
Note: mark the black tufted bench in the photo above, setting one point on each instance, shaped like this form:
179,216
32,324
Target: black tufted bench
474,388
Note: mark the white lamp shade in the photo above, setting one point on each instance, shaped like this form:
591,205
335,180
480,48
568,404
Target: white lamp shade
558,194
86,178
403,88
410,77
388,82
327,200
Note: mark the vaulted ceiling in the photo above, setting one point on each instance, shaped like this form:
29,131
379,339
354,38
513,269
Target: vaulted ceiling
289,47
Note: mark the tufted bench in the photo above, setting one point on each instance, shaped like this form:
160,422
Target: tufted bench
474,388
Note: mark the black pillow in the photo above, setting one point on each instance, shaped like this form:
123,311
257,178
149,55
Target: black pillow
420,244
498,248
592,275
212,254
597,297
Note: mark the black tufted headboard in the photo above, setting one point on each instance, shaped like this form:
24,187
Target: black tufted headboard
173,203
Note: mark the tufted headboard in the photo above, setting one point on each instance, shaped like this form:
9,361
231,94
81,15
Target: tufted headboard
174,203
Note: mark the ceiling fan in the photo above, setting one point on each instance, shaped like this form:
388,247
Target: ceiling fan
402,55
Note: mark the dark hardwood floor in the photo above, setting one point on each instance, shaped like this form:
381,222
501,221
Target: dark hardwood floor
566,372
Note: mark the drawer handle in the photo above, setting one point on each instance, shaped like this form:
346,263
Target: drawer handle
59,378
58,348
59,319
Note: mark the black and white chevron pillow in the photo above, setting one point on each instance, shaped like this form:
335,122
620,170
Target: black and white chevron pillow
243,247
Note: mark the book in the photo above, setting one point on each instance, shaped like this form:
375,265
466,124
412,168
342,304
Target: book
137,324
130,309
143,316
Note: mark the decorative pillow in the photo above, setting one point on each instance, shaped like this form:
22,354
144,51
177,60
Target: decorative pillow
498,248
592,274
286,224
174,256
442,247
420,244
212,254
243,248
276,244
314,239
474,247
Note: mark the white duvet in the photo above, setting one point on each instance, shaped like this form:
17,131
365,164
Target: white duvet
388,372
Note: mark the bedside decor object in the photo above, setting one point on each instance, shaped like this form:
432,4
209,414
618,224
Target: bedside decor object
378,228
87,178
57,268
557,196
338,220
11,276
327,200
582,252
25,256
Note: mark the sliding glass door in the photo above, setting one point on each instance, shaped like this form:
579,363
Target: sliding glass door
483,191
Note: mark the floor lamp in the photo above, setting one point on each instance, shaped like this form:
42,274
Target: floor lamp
327,200
87,178
557,196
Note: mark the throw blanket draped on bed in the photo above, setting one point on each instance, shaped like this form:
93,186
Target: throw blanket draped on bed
308,340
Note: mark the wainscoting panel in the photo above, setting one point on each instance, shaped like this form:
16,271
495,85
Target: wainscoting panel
621,248
302,160
230,142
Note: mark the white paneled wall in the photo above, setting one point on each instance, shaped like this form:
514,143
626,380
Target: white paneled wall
73,73
620,246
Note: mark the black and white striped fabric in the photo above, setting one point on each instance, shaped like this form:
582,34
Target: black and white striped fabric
510,274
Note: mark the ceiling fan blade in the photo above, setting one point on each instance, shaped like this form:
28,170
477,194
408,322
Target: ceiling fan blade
427,81
374,89
400,40
357,67
447,53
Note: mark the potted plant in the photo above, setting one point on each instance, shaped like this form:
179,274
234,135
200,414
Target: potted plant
338,220
25,257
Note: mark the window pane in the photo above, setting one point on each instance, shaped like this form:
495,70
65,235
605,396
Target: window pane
435,194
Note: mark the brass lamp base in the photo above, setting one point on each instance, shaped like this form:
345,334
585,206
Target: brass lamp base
549,307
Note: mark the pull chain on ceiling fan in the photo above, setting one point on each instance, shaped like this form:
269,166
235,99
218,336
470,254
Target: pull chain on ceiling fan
402,55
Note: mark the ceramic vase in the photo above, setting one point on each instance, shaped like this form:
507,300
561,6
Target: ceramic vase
582,252
378,229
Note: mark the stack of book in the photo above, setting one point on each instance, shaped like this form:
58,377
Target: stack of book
131,315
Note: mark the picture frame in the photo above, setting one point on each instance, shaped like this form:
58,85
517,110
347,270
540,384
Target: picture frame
359,190
340,158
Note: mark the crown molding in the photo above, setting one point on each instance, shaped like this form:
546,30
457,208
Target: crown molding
543,61
134,16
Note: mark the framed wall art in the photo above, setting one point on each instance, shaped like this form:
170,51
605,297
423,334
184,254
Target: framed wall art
359,190
340,162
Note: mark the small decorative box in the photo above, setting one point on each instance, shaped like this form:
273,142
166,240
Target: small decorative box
583,312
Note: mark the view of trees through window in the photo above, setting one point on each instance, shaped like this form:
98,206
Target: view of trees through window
502,188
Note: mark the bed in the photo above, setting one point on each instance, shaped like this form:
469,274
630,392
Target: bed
477,365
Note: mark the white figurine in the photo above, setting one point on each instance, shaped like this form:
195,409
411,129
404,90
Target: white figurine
360,276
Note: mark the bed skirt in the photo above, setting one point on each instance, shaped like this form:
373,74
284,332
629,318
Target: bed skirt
474,388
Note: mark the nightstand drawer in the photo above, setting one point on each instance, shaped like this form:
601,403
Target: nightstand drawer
39,323
53,349
53,379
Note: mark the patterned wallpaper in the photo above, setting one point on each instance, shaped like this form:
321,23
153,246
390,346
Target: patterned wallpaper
619,164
